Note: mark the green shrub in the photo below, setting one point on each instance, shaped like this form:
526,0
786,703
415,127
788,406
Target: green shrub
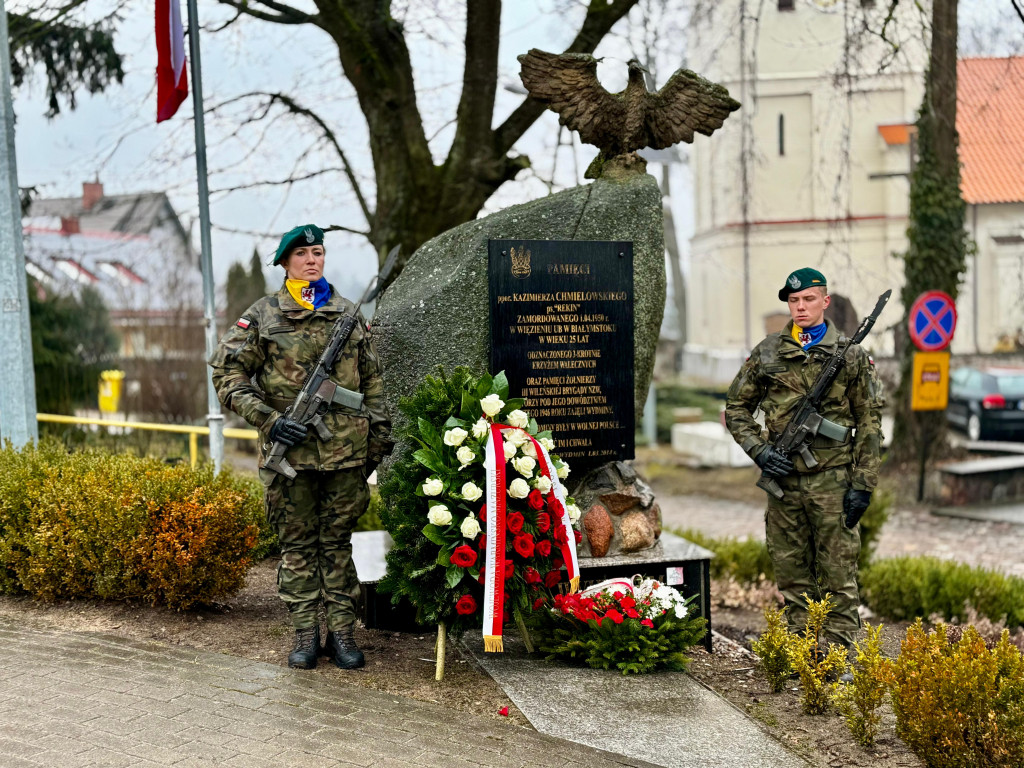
745,560
959,705
812,661
91,524
905,588
860,701
772,649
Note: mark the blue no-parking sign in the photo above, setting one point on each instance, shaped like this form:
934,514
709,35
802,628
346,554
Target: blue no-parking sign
932,321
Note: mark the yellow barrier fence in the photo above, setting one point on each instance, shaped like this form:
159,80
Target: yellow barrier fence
193,432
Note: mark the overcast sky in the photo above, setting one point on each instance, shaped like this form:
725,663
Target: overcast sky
114,137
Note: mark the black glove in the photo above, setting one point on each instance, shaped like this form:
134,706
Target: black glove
287,431
854,504
773,463
378,448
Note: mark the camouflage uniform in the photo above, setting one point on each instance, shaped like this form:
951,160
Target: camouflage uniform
811,550
258,369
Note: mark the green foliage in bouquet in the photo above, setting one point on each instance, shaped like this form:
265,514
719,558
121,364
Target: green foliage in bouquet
433,503
633,633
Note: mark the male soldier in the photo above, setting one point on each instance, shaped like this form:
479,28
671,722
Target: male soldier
812,533
258,369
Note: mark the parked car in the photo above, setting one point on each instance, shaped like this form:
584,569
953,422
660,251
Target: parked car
987,402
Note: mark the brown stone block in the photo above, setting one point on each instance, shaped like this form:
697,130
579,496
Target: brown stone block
654,518
637,532
600,530
619,501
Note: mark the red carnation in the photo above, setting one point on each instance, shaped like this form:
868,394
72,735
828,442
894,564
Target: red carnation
466,605
561,537
647,623
464,556
631,612
482,544
613,615
531,575
523,544
552,578
627,602
538,603
543,522
515,521
535,500
509,569
544,548
578,536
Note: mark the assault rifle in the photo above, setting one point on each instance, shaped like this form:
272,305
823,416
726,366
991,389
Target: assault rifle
807,423
318,391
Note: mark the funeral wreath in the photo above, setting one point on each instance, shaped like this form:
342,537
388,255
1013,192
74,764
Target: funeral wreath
482,526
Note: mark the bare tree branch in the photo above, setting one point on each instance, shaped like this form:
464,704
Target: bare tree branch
1017,8
285,13
276,182
601,17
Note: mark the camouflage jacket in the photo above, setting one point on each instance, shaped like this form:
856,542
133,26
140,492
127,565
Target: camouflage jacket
779,373
261,362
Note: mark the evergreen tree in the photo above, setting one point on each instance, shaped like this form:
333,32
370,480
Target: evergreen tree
244,287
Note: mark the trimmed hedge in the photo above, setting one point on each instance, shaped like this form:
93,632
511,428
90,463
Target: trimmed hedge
115,526
905,588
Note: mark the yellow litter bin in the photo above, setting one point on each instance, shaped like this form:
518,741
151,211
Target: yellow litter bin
110,391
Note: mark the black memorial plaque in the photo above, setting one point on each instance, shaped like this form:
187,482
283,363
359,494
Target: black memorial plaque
562,330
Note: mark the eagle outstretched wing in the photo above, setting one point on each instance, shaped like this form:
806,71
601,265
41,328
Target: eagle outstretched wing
685,105
567,83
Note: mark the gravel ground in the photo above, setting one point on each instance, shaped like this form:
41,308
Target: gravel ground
909,531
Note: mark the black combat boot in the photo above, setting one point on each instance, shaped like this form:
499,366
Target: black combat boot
307,646
342,645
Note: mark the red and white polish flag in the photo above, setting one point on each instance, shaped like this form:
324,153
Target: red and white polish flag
171,78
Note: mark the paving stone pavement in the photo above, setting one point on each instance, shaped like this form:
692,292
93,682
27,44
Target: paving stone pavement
71,700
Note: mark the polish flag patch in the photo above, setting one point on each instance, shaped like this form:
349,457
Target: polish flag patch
243,323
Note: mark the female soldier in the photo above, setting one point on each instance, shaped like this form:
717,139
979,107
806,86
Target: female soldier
258,369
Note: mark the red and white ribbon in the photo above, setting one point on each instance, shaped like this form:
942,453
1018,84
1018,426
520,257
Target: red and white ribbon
569,548
494,576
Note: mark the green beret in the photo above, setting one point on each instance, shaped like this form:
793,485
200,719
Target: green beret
305,234
801,280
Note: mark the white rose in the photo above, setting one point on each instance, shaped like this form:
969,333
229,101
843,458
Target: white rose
492,404
471,492
455,436
524,465
433,486
518,489
562,471
517,418
529,449
574,513
470,527
548,443
543,484
510,450
465,455
517,437
439,515
480,429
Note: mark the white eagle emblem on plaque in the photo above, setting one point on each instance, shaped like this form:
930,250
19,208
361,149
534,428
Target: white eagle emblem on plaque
520,262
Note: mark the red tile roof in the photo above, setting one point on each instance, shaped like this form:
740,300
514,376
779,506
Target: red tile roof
990,120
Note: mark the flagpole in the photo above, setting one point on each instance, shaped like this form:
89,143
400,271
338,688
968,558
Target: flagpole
214,418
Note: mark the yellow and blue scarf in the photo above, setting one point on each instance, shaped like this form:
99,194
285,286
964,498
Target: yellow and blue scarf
309,295
808,337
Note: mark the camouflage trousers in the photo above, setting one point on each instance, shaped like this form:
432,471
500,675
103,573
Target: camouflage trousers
314,515
813,552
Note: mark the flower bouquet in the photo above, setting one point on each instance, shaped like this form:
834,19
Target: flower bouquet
482,527
635,629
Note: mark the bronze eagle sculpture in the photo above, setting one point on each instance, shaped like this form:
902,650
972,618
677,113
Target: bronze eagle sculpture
619,123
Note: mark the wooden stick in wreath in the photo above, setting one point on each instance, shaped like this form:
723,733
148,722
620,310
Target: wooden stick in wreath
439,649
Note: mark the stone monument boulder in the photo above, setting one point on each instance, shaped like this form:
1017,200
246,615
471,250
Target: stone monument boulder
437,311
